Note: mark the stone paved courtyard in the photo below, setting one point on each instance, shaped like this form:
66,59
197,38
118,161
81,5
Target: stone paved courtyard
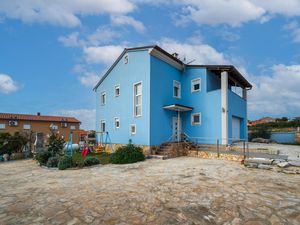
176,191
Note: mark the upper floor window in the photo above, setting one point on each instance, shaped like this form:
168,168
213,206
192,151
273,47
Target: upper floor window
196,119
103,98
125,59
2,125
176,89
26,126
117,122
196,85
137,99
54,127
117,90
73,127
102,126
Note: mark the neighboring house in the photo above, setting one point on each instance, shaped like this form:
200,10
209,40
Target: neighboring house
149,96
261,121
40,126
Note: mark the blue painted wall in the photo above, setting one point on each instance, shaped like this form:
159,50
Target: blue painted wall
138,69
283,137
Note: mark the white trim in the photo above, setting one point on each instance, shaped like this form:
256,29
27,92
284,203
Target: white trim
126,59
103,93
224,106
166,59
193,83
179,89
117,118
134,115
2,126
101,127
130,131
192,119
117,86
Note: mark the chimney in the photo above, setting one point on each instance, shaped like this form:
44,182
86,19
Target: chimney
38,114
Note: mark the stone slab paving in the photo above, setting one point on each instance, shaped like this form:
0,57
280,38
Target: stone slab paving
183,190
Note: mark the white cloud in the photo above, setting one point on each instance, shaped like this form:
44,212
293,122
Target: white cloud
201,53
86,116
128,20
7,84
276,94
61,12
89,79
103,54
70,40
295,29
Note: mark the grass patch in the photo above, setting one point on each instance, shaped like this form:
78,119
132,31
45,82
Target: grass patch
103,157
289,143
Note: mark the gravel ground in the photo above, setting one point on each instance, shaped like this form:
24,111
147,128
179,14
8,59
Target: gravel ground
183,190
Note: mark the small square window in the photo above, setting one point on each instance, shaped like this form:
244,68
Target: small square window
73,127
102,126
176,89
132,129
54,127
196,85
126,59
2,125
103,98
26,126
196,119
117,90
117,123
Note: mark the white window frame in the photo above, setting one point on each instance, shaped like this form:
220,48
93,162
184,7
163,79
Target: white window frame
103,100
26,126
101,126
72,127
126,59
130,129
115,123
117,87
2,126
134,99
195,81
192,119
178,85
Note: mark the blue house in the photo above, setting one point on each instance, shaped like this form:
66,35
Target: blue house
149,97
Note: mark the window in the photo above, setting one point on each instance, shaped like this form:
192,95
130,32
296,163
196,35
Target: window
73,127
196,85
138,99
132,129
117,90
126,59
196,119
176,89
26,126
2,125
103,98
117,122
102,126
54,127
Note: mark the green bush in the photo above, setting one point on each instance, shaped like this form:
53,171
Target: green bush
127,154
52,162
64,163
90,161
260,132
42,157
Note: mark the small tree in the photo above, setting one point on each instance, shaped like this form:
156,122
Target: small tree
56,144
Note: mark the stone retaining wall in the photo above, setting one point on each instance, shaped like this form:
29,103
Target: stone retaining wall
208,155
145,148
297,137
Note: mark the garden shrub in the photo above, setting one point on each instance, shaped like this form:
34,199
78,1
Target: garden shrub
42,157
64,163
90,161
17,156
56,144
127,154
52,162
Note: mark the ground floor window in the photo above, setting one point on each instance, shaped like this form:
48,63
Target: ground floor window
132,129
102,126
117,122
196,119
26,126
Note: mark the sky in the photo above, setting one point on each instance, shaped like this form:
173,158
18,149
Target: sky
52,53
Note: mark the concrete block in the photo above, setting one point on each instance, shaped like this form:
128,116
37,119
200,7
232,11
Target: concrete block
283,164
264,167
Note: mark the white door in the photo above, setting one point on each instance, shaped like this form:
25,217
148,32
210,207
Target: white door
176,125
236,128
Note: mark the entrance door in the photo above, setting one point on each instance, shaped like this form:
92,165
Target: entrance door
176,125
236,130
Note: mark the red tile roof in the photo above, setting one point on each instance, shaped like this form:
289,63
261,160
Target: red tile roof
12,116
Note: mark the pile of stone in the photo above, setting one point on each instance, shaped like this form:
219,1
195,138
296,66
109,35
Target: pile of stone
290,167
